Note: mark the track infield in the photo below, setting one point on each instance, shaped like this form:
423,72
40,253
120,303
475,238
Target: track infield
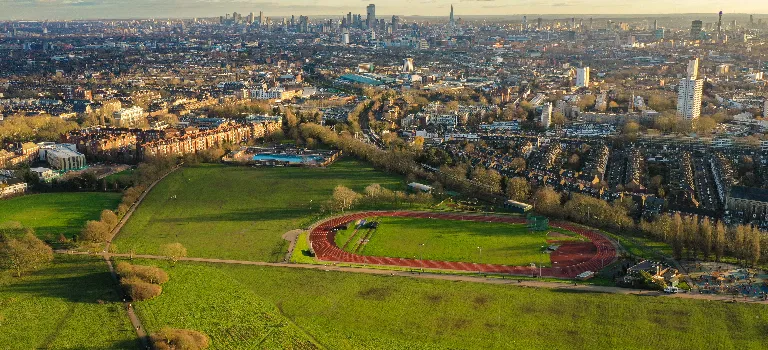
569,260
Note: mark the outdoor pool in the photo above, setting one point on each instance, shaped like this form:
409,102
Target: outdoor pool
291,159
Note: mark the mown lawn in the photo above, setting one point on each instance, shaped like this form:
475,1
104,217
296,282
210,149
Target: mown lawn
206,299
238,212
358,311
71,304
448,240
55,213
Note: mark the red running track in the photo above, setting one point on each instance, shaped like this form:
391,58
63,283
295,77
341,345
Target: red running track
570,259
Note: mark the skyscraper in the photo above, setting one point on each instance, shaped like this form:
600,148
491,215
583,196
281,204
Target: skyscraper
696,30
452,21
370,20
720,27
582,77
689,93
546,116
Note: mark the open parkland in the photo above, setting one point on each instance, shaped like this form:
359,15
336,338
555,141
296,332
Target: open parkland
247,287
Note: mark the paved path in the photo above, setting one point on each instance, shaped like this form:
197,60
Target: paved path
135,322
447,277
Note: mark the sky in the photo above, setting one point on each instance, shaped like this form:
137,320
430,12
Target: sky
119,9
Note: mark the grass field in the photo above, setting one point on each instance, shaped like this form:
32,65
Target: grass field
358,311
205,299
239,212
70,305
55,213
448,240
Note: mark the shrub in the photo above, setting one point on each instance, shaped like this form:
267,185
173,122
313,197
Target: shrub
95,231
177,339
149,274
139,290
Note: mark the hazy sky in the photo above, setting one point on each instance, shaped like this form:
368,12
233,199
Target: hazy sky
85,9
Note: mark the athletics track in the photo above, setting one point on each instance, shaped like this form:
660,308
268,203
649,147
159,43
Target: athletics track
569,260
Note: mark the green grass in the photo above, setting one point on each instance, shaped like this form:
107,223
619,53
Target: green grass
71,304
359,311
55,213
234,317
449,240
301,251
239,212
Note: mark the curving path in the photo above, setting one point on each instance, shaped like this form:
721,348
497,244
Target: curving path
570,259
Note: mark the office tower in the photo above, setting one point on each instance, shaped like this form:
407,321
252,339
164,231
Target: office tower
546,116
655,24
525,22
451,19
538,23
345,37
659,33
250,18
349,19
408,65
573,23
590,23
370,20
720,27
689,92
261,19
751,20
696,30
582,77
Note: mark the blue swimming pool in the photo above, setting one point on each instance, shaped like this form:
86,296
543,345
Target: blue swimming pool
291,159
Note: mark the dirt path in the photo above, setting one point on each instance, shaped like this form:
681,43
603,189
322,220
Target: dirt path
474,279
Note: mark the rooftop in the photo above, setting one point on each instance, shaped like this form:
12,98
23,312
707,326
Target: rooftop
749,193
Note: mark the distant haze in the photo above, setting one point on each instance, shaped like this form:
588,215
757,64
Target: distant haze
123,9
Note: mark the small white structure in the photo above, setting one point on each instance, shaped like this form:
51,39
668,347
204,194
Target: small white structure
45,174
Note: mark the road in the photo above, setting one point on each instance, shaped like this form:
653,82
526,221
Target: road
445,277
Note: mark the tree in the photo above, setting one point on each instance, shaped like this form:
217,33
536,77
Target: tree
518,189
691,231
488,179
109,218
343,198
27,253
518,164
173,251
95,231
705,125
705,238
754,246
140,290
547,201
677,236
178,339
718,241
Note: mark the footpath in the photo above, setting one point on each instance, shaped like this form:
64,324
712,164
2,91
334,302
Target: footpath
512,280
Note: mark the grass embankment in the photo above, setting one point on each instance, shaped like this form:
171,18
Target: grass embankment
57,213
447,240
234,212
71,304
233,303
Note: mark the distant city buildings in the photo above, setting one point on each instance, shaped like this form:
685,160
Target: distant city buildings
370,18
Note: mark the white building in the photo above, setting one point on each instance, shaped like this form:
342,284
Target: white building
582,77
44,174
128,116
11,187
63,156
689,93
408,65
546,116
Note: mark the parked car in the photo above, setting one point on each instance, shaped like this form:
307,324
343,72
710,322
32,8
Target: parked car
672,290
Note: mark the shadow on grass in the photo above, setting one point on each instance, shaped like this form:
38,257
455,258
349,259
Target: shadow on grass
80,283
244,215
578,291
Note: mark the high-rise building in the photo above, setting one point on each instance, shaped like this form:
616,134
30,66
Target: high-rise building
655,24
696,30
345,37
765,108
582,77
451,20
370,19
525,22
720,27
349,19
408,65
689,93
546,116
261,19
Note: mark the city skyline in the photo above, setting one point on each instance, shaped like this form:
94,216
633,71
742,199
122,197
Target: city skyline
114,9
